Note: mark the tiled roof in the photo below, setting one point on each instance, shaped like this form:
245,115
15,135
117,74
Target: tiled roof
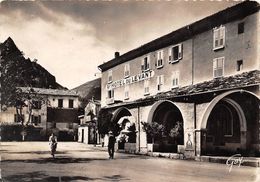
221,83
43,91
230,14
239,81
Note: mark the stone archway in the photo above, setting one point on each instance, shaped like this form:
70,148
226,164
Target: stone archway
124,126
166,113
227,127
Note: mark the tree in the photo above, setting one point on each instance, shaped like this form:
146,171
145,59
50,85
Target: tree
153,130
16,71
176,133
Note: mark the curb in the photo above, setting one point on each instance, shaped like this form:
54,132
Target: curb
179,156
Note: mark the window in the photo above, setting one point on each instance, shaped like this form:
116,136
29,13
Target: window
127,70
218,67
110,94
175,53
239,65
219,38
36,104
60,102
145,64
110,78
146,87
126,92
175,79
159,61
160,82
240,28
16,118
36,119
71,103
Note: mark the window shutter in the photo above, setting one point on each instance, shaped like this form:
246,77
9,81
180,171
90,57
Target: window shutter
158,55
162,58
215,38
170,54
222,36
39,119
148,62
156,62
162,55
142,65
180,51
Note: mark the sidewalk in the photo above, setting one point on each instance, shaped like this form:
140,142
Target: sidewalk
244,161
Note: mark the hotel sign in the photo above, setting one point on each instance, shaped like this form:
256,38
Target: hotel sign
130,80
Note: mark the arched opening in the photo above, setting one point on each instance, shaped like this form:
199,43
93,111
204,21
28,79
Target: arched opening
232,126
168,115
124,128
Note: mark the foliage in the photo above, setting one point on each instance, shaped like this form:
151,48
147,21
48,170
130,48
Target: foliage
104,122
132,133
15,72
13,132
176,132
154,130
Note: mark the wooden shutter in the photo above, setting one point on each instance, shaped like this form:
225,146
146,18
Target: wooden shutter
142,65
170,54
180,51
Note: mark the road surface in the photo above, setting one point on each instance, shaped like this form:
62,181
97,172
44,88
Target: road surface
31,161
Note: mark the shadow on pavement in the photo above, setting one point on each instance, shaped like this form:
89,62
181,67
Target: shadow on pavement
58,160
35,152
40,176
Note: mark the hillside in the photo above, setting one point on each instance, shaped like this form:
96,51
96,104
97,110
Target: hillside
18,71
88,90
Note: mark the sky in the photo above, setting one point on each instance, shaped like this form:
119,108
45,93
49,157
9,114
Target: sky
71,38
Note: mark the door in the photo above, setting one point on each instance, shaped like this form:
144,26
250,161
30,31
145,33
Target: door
82,136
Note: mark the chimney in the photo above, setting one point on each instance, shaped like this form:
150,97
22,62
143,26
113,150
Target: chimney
117,54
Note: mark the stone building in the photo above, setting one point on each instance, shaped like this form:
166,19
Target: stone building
203,77
55,109
87,131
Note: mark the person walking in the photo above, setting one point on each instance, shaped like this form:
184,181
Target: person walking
111,144
53,144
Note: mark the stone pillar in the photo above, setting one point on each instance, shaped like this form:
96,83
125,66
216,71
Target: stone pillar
200,142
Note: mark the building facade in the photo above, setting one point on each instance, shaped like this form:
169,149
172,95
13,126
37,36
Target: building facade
203,77
87,131
49,110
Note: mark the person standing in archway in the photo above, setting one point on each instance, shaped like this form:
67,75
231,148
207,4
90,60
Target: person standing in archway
111,144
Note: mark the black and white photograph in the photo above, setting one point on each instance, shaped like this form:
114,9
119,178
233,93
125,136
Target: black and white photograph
122,90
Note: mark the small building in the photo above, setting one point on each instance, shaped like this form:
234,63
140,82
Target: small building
89,98
202,78
87,131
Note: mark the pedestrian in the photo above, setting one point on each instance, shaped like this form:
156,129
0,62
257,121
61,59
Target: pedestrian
111,144
53,144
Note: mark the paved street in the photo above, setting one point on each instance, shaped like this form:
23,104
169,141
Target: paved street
31,161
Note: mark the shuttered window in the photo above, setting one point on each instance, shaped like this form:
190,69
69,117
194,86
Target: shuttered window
219,38
218,67
175,53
